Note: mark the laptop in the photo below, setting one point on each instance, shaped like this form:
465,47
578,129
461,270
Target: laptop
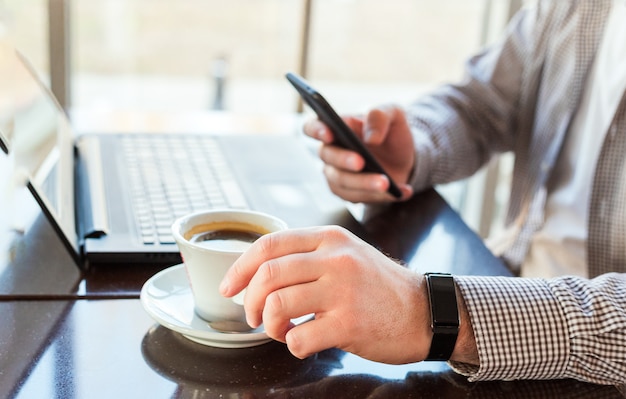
112,197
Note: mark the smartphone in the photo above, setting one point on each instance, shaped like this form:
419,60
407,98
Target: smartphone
344,137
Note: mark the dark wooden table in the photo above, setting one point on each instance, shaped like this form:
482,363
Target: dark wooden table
71,334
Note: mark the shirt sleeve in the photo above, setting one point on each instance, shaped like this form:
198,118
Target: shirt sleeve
458,127
566,327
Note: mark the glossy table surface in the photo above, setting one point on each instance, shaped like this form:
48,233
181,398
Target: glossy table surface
72,334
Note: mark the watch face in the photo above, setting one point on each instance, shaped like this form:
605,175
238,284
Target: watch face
444,316
443,300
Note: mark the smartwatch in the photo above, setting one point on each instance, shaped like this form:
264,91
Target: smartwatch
444,315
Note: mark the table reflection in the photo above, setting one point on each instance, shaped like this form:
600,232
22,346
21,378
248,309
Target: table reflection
270,371
207,372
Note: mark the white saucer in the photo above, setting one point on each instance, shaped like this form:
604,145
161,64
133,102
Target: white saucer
167,297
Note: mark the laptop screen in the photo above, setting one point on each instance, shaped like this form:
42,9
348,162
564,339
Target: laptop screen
38,138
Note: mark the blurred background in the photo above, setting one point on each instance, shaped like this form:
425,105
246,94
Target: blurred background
232,56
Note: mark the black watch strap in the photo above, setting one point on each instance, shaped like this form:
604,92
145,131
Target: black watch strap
444,315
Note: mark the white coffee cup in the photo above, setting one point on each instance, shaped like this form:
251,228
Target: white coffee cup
209,243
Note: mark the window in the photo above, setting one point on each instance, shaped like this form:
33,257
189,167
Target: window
190,54
232,55
367,52
24,23
200,54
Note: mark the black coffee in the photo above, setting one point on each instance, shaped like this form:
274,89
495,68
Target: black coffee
225,236
225,240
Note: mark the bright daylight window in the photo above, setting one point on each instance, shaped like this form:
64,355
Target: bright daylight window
182,54
168,54
232,55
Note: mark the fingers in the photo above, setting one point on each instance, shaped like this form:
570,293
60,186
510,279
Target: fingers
372,129
341,158
363,187
288,303
310,337
272,293
315,336
347,284
269,246
379,122
314,128
357,187
282,272
386,132
342,169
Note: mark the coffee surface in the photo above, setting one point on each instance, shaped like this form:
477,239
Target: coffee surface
225,236
226,240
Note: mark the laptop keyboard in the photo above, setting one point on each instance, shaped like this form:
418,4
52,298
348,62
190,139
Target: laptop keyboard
172,176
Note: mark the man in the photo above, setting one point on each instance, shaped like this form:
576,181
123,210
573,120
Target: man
548,91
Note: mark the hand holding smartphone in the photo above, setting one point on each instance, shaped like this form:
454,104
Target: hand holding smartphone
344,137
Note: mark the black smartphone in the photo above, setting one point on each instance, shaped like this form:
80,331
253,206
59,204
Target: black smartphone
344,136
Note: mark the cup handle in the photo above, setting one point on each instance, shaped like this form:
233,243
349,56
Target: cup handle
238,299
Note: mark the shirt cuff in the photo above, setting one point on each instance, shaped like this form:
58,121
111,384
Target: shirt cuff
520,330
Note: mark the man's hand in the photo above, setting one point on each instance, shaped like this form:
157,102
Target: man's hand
363,302
386,133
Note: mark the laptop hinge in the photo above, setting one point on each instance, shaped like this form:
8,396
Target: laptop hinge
92,205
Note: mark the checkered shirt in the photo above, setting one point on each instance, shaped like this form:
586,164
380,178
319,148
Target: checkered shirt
519,95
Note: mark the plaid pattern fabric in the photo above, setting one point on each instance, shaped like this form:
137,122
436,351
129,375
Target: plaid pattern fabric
607,213
519,96
567,327
510,315
576,37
